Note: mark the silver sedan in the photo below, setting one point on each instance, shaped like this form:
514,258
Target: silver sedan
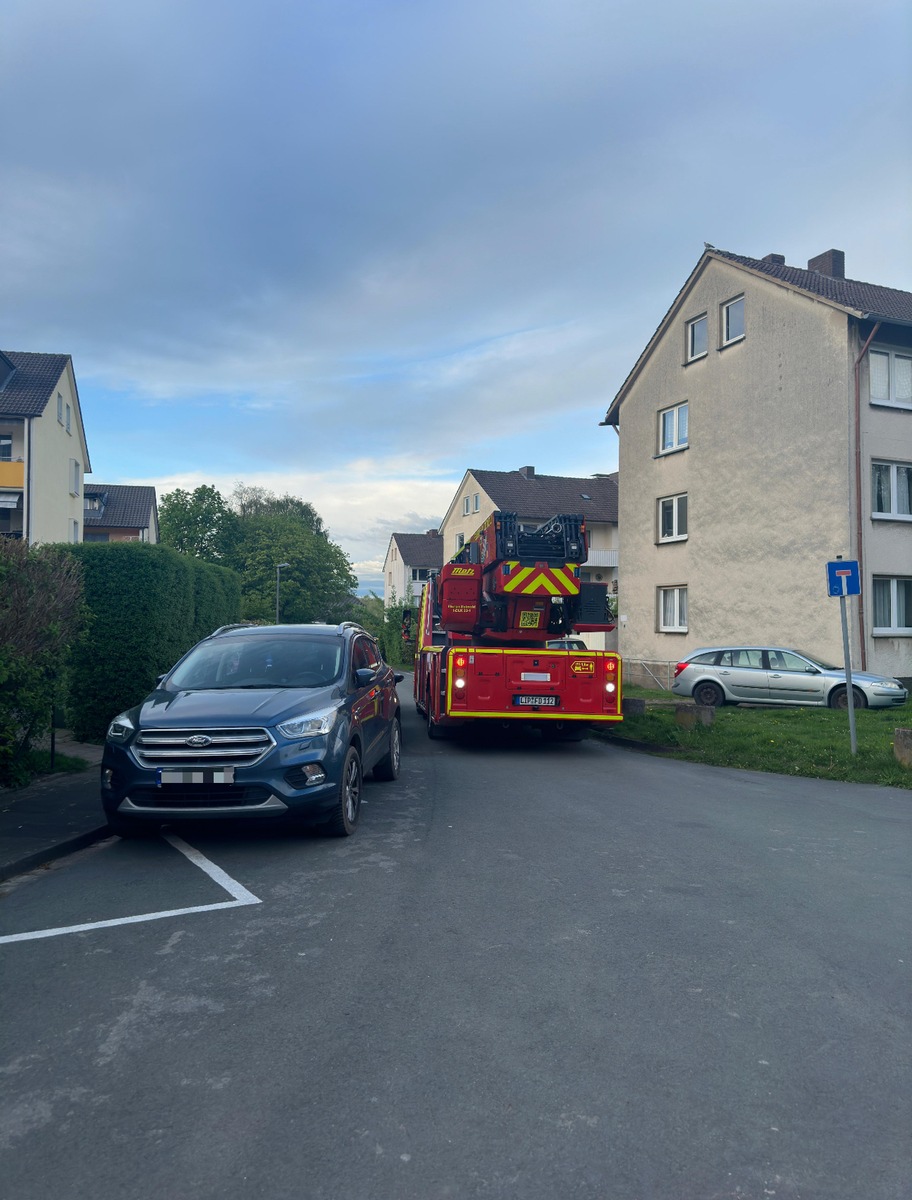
777,675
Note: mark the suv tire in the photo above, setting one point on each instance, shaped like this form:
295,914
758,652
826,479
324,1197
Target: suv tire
387,769
348,799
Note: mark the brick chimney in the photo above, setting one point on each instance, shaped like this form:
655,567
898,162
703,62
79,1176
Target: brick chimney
527,472
778,260
432,533
831,263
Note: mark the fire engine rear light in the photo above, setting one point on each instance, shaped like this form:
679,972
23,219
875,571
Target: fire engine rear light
460,660
459,683
609,687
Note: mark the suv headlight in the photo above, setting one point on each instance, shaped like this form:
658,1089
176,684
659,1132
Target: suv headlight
121,729
311,724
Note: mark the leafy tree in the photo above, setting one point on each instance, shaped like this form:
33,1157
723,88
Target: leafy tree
41,611
198,523
252,532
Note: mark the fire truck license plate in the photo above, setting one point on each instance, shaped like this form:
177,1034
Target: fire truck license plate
537,701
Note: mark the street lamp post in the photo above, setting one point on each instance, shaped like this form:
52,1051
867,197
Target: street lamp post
279,567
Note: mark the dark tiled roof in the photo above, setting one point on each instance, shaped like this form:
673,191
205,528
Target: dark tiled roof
27,391
538,497
889,303
419,549
125,506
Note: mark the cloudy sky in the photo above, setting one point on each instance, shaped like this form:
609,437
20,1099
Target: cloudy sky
350,248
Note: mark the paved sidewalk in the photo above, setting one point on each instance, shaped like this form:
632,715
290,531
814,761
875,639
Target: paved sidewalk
53,816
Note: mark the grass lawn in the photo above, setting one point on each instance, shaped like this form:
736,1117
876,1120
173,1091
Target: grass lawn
788,741
38,762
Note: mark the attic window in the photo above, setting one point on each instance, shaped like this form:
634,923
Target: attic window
584,496
93,503
697,338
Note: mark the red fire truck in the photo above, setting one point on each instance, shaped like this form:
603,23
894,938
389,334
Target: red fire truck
485,622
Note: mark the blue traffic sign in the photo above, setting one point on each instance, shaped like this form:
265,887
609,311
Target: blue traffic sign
843,578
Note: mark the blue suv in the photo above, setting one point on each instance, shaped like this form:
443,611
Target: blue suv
273,721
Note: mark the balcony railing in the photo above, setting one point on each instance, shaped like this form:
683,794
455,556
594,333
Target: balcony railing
12,474
602,558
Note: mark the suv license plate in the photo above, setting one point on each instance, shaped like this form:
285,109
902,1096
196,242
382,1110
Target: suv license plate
536,701
224,775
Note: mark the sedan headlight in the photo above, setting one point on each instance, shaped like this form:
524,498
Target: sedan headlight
888,683
121,729
311,724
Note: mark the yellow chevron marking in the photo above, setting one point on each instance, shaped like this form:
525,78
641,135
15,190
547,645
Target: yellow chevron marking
541,583
514,580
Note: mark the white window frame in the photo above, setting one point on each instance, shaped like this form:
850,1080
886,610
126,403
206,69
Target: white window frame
6,439
68,419
465,506
678,610
893,629
476,502
460,541
675,507
74,532
890,401
892,513
75,479
692,325
677,442
728,339
59,409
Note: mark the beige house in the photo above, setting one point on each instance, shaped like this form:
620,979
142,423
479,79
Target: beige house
535,498
764,430
43,452
409,559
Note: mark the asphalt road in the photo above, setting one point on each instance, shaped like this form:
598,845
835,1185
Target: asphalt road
538,972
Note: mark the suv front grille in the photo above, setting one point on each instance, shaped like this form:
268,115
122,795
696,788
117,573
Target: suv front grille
218,795
170,748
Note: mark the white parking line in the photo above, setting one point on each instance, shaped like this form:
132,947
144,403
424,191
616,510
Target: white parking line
231,886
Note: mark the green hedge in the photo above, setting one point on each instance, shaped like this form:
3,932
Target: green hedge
148,604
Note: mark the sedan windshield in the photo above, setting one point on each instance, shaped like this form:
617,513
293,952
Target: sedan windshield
259,662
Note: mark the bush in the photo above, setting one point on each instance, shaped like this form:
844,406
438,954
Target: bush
40,613
148,605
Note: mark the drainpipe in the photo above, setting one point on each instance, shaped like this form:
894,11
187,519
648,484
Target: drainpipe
27,490
859,522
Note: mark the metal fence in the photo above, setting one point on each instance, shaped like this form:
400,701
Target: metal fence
649,673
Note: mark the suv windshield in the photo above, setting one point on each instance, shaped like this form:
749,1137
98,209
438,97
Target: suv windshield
259,662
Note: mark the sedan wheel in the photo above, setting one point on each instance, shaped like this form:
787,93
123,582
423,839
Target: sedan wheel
348,803
839,698
710,694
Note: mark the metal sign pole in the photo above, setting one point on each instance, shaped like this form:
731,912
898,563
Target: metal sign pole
850,691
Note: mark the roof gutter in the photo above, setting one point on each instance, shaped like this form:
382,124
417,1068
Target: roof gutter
859,522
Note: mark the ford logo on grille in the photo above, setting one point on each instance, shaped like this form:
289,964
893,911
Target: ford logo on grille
199,740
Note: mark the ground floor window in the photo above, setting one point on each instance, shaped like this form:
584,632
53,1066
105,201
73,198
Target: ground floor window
673,610
892,605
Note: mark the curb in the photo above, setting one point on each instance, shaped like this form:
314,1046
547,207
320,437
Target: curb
50,854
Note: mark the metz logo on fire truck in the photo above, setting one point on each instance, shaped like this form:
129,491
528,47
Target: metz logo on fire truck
582,666
462,571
